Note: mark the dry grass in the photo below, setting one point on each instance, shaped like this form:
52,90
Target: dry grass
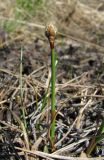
72,19
23,28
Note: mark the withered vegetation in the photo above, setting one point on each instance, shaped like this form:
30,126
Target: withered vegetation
79,84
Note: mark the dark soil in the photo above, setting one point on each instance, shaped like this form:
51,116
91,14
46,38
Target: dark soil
80,97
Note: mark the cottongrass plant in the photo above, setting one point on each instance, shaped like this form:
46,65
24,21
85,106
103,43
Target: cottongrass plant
50,34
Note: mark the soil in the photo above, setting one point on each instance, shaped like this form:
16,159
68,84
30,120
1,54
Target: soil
79,95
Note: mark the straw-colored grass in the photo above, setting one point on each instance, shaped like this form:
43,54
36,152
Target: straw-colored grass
24,21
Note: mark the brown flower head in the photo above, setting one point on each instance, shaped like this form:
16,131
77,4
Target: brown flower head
50,33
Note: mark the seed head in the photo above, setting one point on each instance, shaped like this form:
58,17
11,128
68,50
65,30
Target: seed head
50,33
50,30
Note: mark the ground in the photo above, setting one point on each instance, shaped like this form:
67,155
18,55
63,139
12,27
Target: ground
79,96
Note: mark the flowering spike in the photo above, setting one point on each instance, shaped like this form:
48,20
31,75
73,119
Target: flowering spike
50,33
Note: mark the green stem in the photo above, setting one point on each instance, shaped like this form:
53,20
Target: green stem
101,130
53,96
96,139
